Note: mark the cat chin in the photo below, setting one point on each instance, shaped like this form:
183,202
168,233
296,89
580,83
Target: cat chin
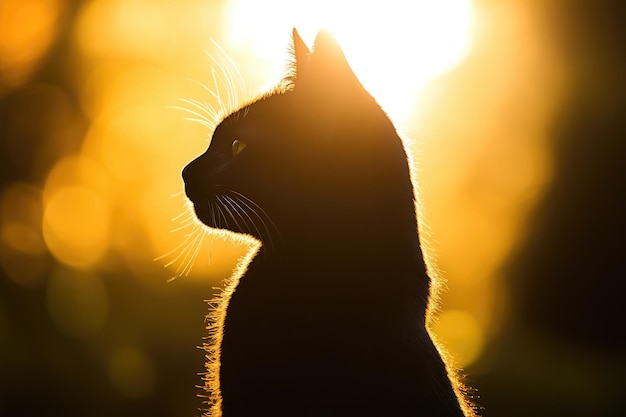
203,216
204,219
200,216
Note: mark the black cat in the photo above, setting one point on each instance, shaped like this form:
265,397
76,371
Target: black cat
330,316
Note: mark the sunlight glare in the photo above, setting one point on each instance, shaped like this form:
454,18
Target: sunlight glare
394,46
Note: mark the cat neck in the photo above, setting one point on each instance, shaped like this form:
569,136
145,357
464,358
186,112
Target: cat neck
380,228
379,268
388,242
388,249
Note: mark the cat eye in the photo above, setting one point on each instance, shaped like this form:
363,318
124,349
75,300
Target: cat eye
237,147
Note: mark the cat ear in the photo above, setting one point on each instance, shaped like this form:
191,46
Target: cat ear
325,69
299,60
329,64
330,85
300,51
326,50
325,81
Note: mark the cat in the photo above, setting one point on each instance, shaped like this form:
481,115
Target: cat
329,319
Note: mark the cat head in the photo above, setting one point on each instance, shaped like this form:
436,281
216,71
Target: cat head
317,158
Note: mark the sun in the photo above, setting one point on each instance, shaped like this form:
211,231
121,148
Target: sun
394,46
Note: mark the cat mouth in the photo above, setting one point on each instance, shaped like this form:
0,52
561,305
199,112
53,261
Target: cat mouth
227,209
202,212
197,193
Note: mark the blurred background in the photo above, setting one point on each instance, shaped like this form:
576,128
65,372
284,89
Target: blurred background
516,117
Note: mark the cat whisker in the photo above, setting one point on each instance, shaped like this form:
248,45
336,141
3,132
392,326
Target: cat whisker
253,206
192,259
188,253
231,214
221,216
242,86
213,211
178,194
189,242
177,249
238,207
209,121
202,122
203,107
231,209
228,70
185,222
248,210
216,96
204,110
221,75
229,87
184,225
193,112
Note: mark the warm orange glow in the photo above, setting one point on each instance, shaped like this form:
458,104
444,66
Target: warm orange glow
80,171
78,212
108,27
460,333
103,102
76,226
27,29
451,74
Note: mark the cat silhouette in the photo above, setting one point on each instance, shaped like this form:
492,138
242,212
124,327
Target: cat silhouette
329,319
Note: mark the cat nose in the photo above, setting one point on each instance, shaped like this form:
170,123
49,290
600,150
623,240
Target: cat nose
191,179
199,178
186,174
194,169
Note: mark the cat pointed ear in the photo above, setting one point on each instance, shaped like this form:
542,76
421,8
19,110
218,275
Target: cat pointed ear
299,59
329,62
300,50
